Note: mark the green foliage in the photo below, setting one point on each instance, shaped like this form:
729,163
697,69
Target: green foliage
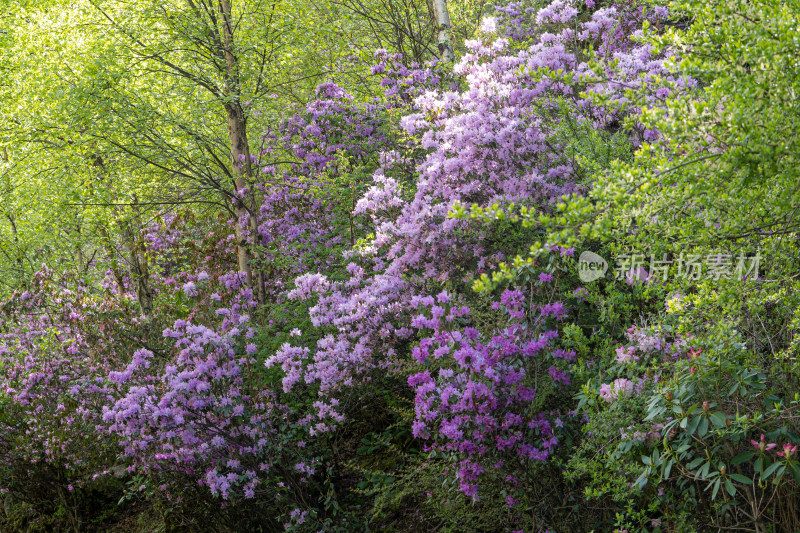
115,112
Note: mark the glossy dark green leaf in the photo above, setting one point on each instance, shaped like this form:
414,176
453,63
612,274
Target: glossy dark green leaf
742,458
729,487
739,478
770,470
718,419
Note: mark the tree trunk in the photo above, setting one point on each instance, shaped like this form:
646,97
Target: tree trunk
111,252
138,267
240,155
17,248
132,247
443,29
241,163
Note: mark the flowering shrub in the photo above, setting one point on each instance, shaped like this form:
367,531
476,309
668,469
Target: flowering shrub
481,404
414,346
697,426
54,362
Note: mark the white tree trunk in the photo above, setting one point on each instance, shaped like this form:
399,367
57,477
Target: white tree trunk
241,165
443,29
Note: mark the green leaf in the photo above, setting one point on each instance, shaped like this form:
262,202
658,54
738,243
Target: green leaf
769,470
729,487
739,478
796,473
716,489
667,469
654,413
702,429
695,463
742,458
718,418
692,427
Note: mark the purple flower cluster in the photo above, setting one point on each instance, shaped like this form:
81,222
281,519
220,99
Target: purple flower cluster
54,362
193,404
477,402
196,414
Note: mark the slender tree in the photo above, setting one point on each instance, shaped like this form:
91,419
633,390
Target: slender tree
443,25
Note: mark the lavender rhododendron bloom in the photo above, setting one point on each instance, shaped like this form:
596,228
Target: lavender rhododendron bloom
358,295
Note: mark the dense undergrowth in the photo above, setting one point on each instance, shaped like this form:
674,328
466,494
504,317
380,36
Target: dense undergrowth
426,351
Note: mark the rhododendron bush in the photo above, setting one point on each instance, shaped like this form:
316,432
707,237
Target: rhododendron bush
414,344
